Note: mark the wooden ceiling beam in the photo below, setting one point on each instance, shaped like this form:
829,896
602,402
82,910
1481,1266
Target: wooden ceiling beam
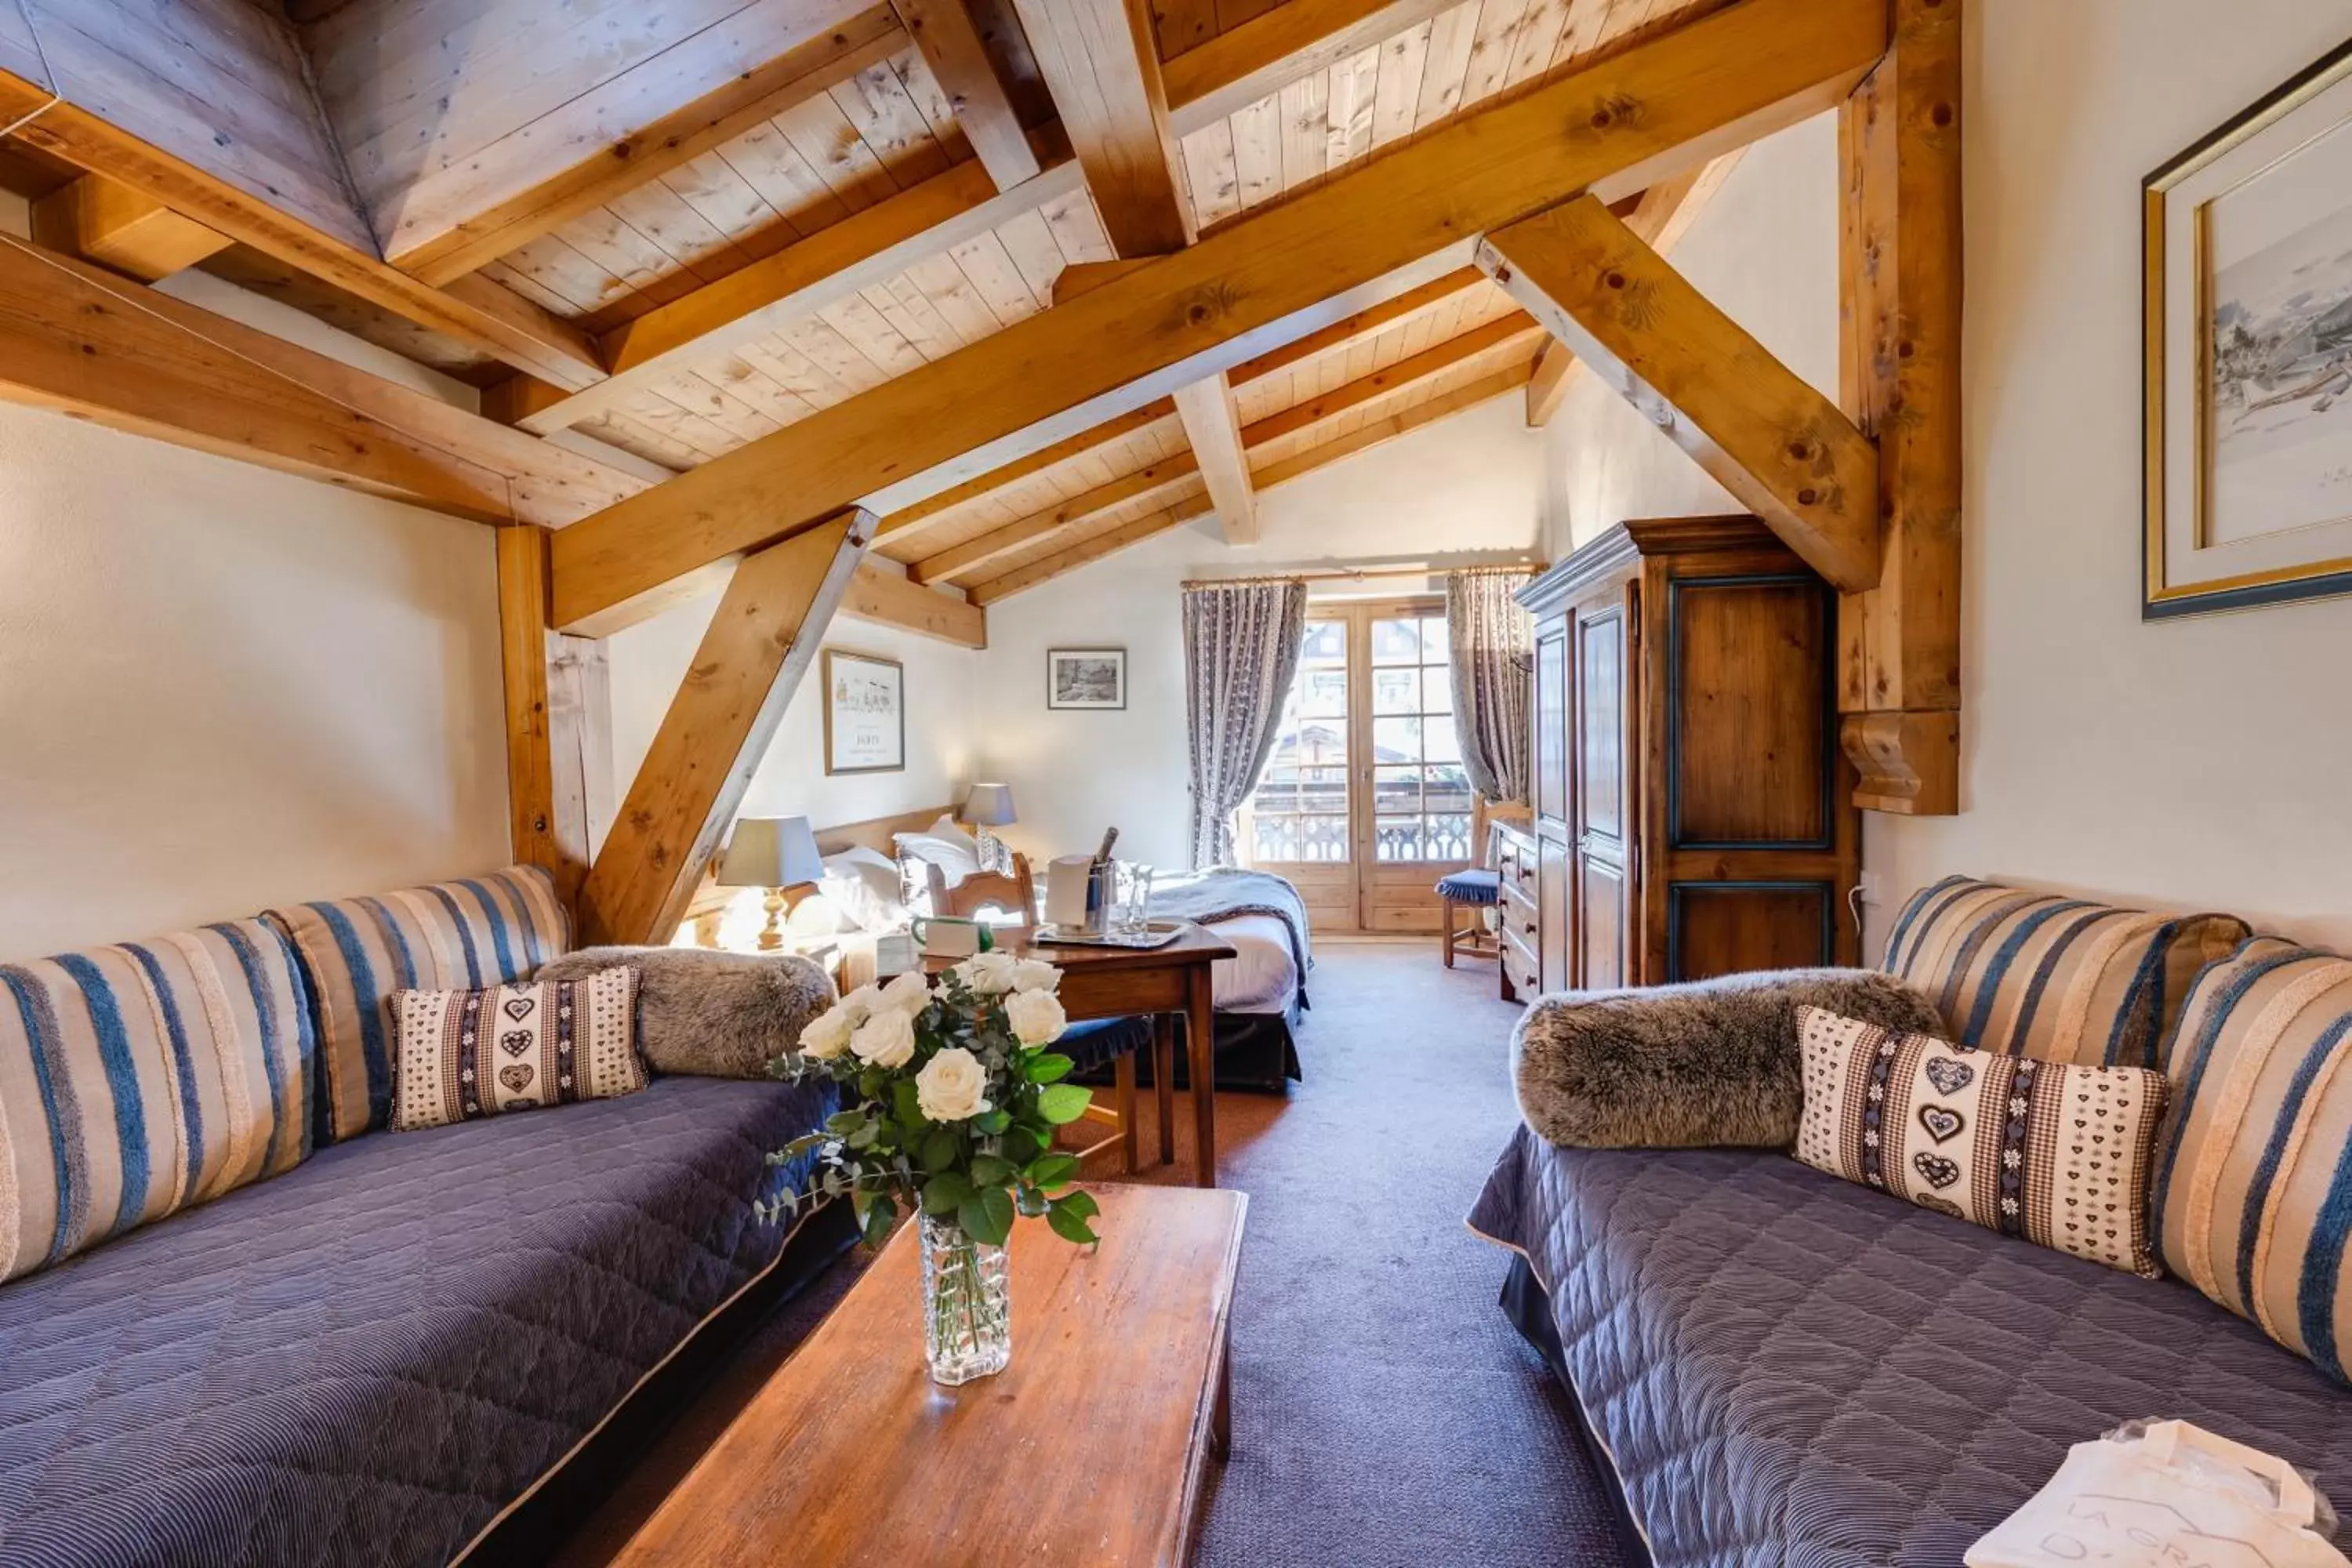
768,625
122,229
881,595
1088,550
1103,70
1548,385
1516,334
1214,427
1349,331
898,525
1782,448
478,314
868,248
969,558
621,134
951,45
84,340
1614,126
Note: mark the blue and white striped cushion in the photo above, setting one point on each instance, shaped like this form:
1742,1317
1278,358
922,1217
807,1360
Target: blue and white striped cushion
139,1079
452,936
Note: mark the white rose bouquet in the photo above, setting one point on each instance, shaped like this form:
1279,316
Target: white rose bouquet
953,1101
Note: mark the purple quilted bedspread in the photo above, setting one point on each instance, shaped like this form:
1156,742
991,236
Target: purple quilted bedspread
364,1360
1788,1368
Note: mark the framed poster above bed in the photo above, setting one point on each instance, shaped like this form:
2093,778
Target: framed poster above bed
2248,307
865,713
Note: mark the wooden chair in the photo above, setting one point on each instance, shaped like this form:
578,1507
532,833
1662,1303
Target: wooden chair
1478,890
1016,893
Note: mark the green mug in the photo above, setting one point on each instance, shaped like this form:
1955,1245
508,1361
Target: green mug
958,937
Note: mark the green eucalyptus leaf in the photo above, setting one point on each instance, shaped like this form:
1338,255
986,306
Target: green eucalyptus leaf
1064,1102
1070,1225
845,1121
864,1134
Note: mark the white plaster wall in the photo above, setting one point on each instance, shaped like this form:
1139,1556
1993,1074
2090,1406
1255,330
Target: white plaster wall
648,660
1466,489
2197,762
223,687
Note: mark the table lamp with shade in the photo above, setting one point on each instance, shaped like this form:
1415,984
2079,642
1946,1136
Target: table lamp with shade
987,805
777,852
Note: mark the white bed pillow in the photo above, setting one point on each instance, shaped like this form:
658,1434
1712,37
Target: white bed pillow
955,852
864,885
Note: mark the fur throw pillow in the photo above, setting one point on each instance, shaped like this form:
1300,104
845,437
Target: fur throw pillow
711,1014
1709,1064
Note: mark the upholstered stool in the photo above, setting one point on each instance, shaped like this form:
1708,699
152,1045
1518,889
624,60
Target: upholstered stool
1479,888
1114,1041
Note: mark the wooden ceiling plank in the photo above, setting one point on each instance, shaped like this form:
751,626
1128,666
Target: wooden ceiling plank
1615,127
898,526
522,188
1103,69
1214,429
483,315
951,45
125,230
1782,448
1298,38
1090,550
1516,334
770,623
968,558
867,248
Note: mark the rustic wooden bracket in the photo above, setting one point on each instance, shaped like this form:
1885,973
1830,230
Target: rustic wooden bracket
1768,437
768,625
1909,763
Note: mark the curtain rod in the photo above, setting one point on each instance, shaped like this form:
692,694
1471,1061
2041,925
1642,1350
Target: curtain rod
1359,573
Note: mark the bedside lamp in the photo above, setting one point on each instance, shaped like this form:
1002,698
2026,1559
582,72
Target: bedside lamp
777,853
987,805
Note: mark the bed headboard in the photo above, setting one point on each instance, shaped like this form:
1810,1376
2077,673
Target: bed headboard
876,833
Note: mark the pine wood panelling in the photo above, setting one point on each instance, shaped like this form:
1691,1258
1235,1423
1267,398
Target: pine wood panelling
1727,78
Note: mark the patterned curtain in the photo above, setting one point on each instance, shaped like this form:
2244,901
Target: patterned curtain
1493,670
1241,653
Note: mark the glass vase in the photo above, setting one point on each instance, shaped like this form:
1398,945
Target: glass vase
966,1304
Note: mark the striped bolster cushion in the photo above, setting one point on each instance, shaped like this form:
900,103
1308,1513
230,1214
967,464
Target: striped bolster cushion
452,936
2253,1173
2060,980
140,1080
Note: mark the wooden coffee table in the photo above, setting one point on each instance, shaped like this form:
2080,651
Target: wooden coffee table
1088,1448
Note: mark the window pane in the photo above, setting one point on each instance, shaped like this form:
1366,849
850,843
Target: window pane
1396,790
1448,790
1434,643
1437,689
1275,796
1325,640
1396,641
1398,838
1323,692
1396,741
1321,742
1323,837
1324,791
1442,741
1396,691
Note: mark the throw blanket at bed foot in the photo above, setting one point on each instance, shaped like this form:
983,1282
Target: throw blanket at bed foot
1228,892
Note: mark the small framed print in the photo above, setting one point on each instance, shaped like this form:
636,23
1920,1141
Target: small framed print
1086,677
2248,310
865,713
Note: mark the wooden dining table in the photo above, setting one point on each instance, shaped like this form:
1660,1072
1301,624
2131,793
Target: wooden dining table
1165,983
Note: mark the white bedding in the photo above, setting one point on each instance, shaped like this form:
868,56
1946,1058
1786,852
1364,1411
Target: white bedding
1261,976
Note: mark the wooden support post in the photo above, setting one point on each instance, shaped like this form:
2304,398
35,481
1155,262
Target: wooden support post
1899,665
1214,426
1103,69
546,785
950,46
770,622
1768,437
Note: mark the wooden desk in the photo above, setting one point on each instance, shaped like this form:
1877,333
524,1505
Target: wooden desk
1088,1448
1120,983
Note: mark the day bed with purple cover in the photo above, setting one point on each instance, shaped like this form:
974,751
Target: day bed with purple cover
370,1356
1778,1366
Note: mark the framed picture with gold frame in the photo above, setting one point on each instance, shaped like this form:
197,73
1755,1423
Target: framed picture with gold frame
2248,321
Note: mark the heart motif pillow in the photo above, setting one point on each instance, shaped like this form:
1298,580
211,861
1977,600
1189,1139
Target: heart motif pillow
2055,1154
520,1047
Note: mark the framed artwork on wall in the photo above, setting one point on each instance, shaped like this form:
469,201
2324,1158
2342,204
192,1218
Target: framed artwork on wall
1086,677
2248,356
865,713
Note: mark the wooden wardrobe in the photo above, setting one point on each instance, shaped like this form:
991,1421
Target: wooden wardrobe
1693,810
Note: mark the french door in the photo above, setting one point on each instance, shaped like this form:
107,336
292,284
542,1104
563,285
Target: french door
1364,803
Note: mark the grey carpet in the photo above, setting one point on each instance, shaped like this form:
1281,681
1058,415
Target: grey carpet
1384,1413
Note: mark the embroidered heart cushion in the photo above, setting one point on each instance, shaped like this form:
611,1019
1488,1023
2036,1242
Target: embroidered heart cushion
462,1055
2052,1153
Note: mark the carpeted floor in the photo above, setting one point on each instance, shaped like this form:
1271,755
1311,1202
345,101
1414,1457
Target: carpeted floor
1384,1413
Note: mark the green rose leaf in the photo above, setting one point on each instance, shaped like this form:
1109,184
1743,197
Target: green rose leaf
1070,1225
940,1149
1081,1204
988,1217
906,1103
1064,1102
1054,1171
990,1171
1029,1201
993,1123
946,1193
880,1215
1049,1067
